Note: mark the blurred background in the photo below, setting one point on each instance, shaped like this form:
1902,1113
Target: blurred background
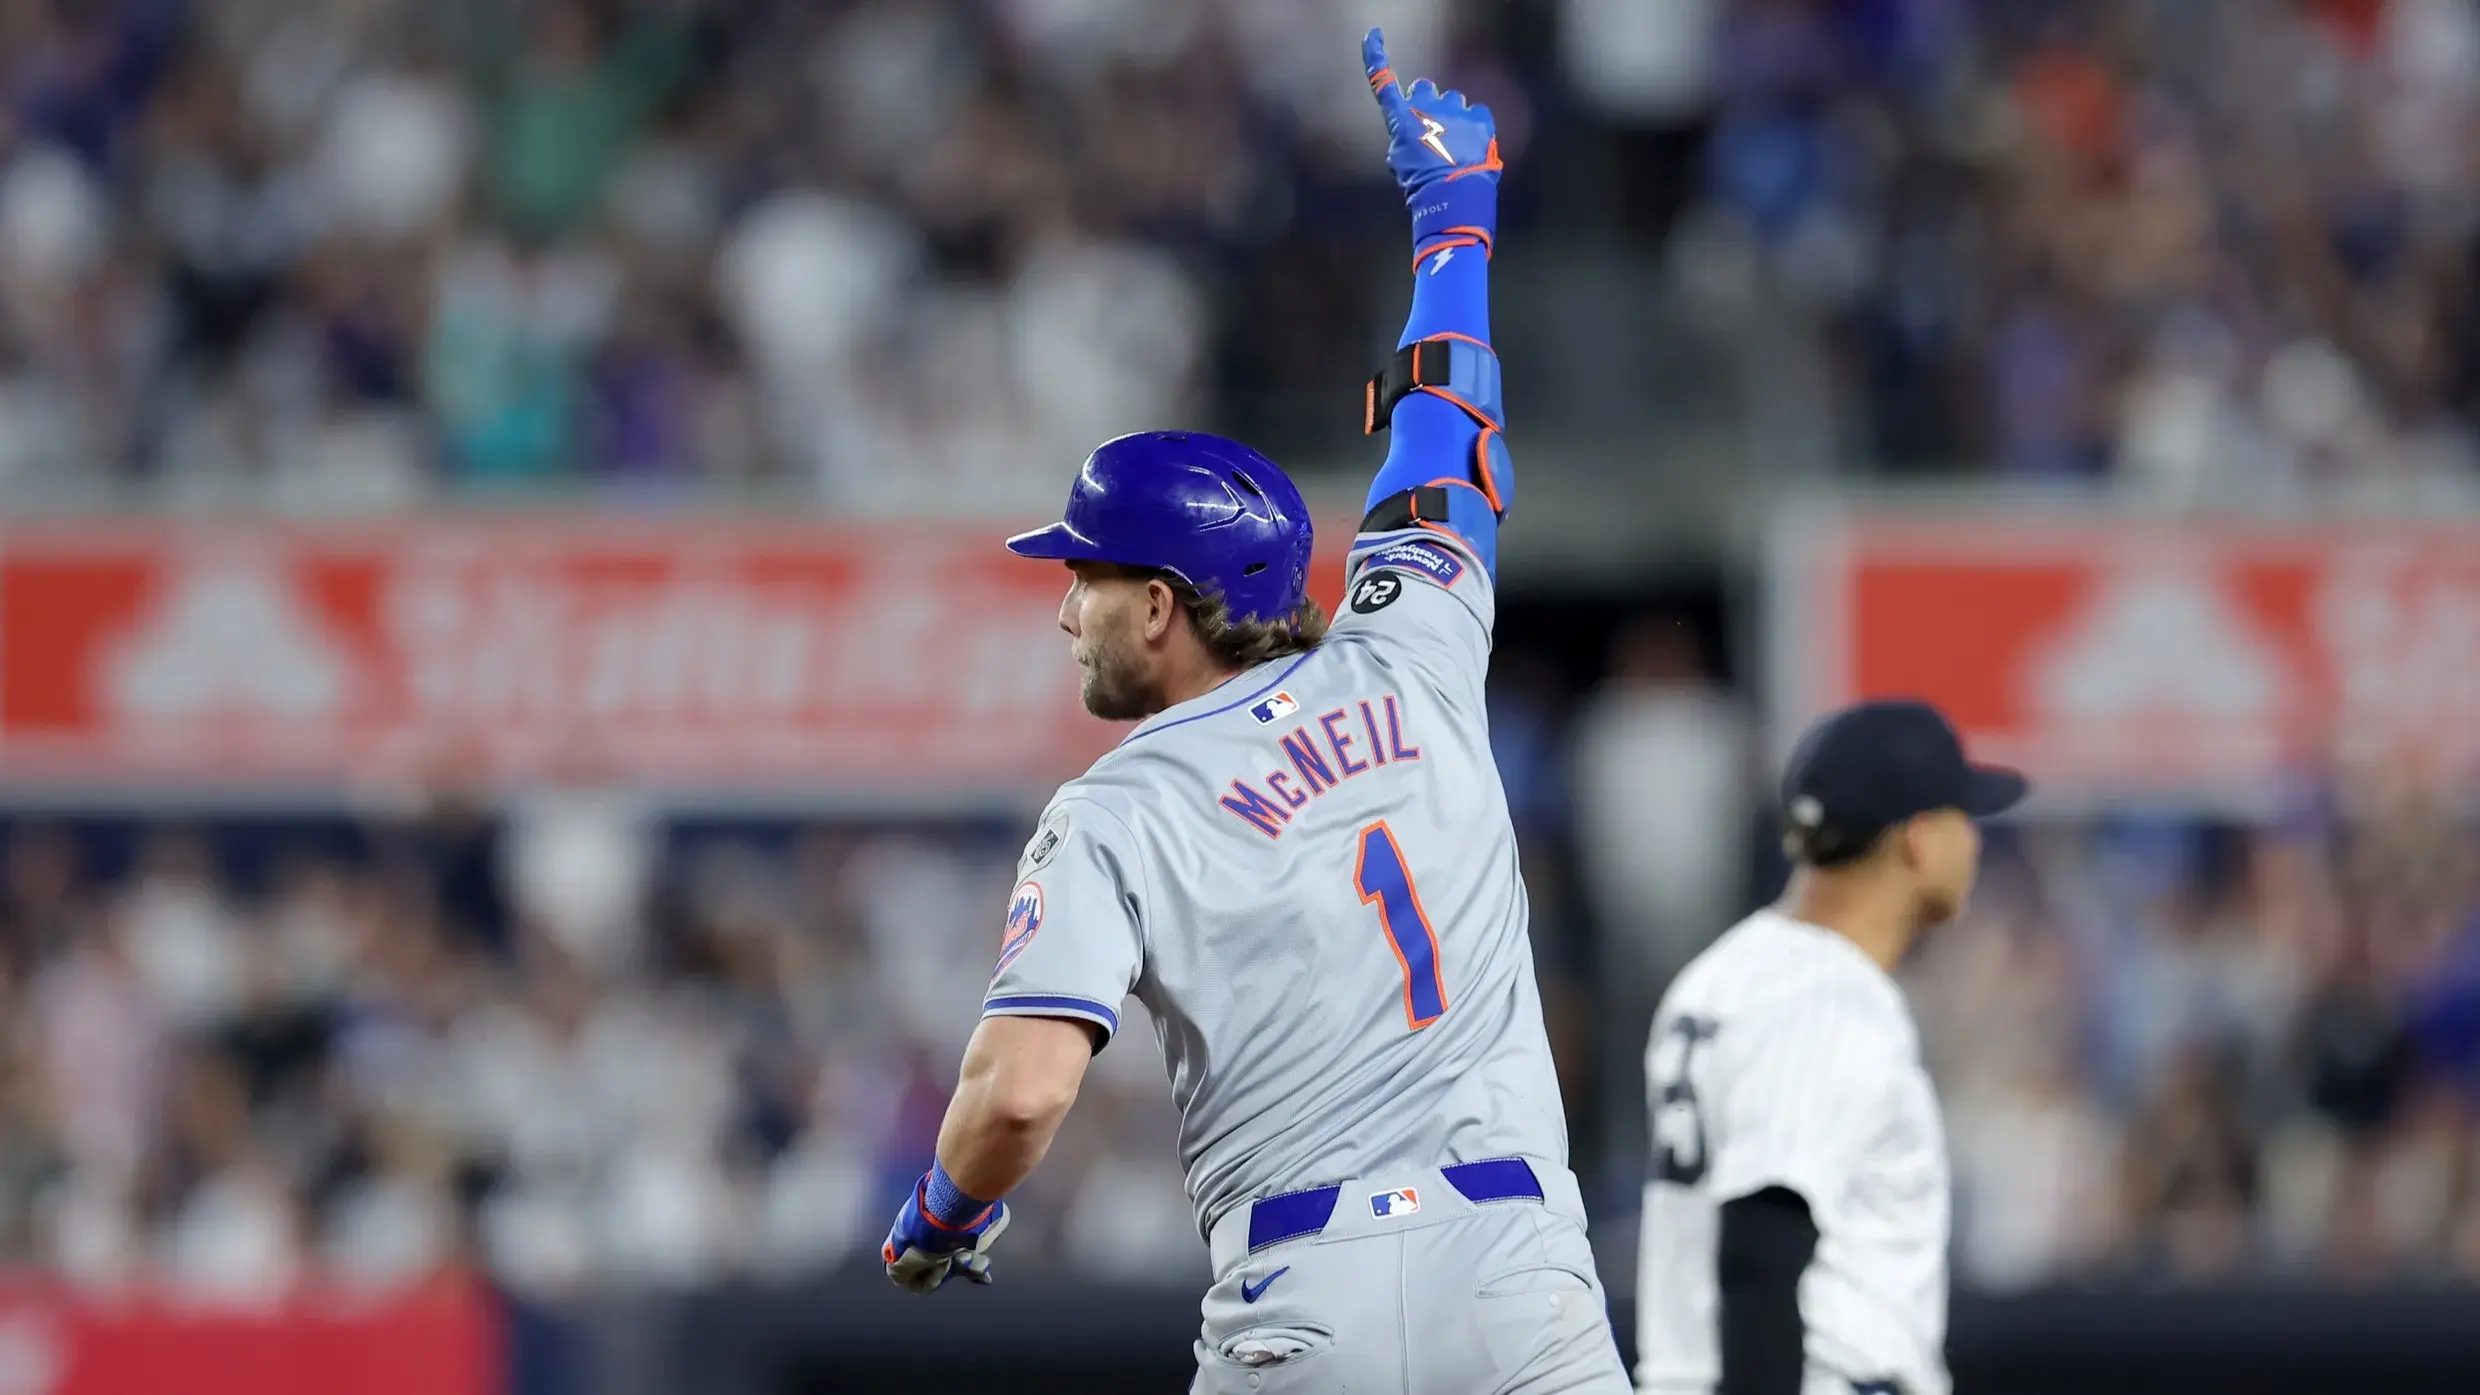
515,727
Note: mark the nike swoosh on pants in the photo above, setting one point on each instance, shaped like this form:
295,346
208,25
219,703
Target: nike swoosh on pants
1250,1292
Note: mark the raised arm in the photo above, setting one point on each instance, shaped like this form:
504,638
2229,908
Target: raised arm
1447,468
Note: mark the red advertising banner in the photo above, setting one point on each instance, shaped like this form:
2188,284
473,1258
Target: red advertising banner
2120,660
778,657
439,1340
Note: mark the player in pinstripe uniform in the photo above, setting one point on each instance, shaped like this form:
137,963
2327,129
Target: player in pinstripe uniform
1301,863
1796,1216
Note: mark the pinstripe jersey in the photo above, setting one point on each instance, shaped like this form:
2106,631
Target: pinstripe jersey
1784,1056
1308,877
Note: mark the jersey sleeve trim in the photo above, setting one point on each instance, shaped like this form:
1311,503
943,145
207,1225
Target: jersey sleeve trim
1055,1005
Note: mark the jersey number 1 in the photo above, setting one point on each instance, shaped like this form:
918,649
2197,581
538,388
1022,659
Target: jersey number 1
1382,877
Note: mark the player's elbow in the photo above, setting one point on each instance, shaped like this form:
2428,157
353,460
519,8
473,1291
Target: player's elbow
1022,1074
1027,1104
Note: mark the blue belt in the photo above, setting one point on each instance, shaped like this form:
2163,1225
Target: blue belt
1293,1215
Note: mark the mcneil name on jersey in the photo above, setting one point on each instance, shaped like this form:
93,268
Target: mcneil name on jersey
1316,756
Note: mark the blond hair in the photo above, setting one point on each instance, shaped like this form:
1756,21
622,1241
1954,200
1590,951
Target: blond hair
1246,643
1239,643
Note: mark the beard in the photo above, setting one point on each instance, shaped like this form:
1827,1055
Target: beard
1114,687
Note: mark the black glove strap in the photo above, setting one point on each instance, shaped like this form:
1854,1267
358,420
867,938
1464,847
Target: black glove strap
1408,371
1427,503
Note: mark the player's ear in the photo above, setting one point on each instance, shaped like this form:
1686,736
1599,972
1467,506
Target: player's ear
1162,609
1915,842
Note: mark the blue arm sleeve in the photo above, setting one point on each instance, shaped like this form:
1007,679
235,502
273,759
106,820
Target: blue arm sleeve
1430,438
1450,295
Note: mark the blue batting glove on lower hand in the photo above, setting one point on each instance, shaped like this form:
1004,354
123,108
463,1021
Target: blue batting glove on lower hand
1443,152
941,1234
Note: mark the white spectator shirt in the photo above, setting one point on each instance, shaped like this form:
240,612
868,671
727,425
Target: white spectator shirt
1783,1056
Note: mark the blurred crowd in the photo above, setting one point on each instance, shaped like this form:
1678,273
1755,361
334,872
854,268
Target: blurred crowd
562,1042
900,254
2200,1052
2210,246
896,254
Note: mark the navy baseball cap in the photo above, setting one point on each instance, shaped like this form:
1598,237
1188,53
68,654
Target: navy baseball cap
1867,768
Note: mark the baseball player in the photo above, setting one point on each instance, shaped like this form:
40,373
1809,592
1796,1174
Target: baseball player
1300,862
1795,1220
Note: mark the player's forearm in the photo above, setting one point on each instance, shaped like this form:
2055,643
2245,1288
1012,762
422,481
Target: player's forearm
1429,437
990,1144
1450,294
1020,1076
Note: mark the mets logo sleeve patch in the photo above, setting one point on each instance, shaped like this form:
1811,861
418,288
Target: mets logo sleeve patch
1072,946
1024,918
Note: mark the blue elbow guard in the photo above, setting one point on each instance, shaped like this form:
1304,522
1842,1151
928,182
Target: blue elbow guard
1464,372
1494,471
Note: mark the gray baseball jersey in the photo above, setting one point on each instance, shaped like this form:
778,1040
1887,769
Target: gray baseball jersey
1308,877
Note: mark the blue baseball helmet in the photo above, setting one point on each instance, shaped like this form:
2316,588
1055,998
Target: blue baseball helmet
1211,511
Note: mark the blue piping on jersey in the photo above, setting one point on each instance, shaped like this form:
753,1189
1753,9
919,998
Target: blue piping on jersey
1054,1002
1271,684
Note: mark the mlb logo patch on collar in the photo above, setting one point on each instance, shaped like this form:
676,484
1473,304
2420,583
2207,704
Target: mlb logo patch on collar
1273,707
1402,1201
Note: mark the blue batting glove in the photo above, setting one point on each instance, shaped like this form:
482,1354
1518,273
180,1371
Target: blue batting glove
1443,152
941,1234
